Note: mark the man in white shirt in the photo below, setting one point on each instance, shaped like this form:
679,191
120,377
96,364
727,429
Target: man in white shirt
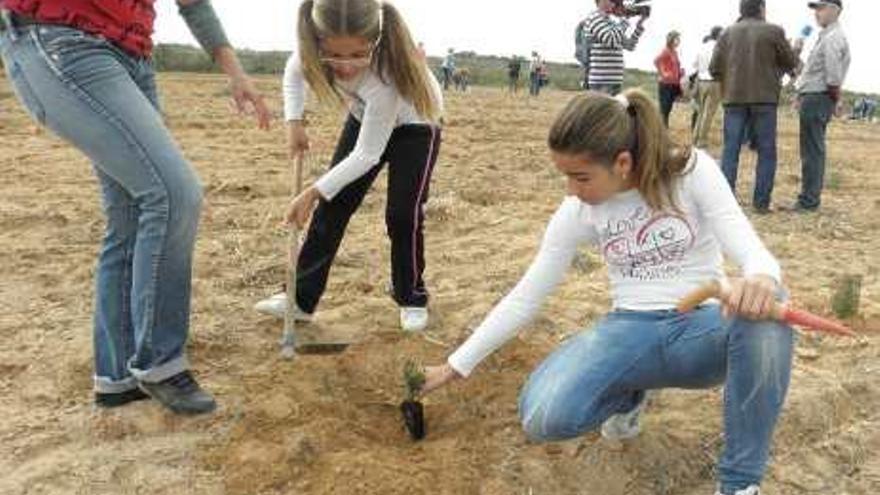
708,89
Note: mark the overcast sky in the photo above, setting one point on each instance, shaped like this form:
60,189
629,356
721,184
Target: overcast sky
505,27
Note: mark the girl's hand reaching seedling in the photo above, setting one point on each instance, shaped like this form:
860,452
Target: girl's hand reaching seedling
438,376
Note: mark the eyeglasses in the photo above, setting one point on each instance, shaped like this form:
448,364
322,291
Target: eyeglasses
354,62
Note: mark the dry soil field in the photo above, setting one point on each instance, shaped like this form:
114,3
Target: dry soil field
330,424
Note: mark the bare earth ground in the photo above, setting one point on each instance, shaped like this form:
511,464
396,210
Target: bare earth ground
330,424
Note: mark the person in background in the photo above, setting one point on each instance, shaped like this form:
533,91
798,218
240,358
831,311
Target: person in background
708,93
669,73
749,60
863,108
83,69
543,75
609,40
819,94
514,67
448,68
535,74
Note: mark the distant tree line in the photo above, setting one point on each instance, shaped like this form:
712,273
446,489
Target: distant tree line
485,70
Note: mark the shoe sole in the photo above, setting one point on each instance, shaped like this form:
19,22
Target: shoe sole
112,401
176,409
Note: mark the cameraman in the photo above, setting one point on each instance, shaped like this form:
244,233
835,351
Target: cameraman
609,39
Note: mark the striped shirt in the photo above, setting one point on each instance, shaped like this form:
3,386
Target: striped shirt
609,39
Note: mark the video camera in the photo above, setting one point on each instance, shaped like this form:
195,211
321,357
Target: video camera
633,8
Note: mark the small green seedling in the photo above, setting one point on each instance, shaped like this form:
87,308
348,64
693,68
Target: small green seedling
845,301
412,410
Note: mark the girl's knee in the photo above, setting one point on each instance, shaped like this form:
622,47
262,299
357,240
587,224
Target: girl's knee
546,416
537,424
765,332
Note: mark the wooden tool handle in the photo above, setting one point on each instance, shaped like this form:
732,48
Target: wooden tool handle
288,340
695,298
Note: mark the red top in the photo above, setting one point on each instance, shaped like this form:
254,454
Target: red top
669,67
127,23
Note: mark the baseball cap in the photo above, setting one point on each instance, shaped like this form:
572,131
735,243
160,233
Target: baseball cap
822,3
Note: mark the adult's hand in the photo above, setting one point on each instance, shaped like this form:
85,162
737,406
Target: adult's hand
245,95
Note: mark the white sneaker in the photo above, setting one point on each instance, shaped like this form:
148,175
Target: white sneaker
751,490
413,319
277,306
626,425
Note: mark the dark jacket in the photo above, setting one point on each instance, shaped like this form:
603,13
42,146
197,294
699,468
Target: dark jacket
750,59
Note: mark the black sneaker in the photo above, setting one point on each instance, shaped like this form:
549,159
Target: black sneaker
109,401
797,207
181,393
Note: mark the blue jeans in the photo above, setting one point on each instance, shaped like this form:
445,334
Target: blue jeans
606,371
104,102
761,120
815,114
666,96
446,76
534,84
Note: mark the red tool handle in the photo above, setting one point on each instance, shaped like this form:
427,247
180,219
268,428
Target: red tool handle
815,322
781,312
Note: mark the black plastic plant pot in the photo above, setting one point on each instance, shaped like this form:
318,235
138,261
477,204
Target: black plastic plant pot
413,418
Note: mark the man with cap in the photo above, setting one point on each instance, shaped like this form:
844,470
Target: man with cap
819,89
749,60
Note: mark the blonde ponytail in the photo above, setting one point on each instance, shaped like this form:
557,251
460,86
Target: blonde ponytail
317,75
398,58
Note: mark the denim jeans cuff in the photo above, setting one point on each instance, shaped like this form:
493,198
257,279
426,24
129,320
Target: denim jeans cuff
161,372
104,385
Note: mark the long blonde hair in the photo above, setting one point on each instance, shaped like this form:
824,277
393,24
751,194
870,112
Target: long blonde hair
395,56
602,127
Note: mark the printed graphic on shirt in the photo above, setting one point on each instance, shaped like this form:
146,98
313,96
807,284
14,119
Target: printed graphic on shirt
647,245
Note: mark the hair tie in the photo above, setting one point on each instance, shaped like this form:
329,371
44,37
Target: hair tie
633,145
381,17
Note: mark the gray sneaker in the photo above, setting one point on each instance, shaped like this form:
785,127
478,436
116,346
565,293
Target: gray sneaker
751,490
181,393
626,425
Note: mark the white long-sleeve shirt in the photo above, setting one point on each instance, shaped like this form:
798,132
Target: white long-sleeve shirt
376,104
704,58
654,258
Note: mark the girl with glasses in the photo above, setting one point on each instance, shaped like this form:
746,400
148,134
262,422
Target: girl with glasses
361,51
